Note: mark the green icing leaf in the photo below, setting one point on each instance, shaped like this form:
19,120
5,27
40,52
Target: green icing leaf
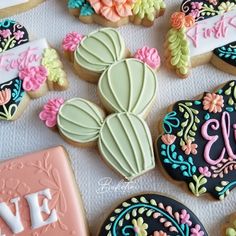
197,187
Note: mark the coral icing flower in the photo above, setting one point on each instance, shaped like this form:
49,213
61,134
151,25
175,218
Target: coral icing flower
213,102
50,111
197,231
5,96
159,233
18,34
71,41
204,171
113,10
33,77
168,139
214,2
179,20
149,56
190,147
5,33
185,218
140,227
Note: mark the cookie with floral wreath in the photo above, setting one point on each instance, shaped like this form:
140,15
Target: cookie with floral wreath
152,214
127,88
28,69
203,31
45,205
114,13
12,7
197,145
229,228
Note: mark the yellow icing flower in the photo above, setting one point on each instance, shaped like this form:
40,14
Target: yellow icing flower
226,6
140,227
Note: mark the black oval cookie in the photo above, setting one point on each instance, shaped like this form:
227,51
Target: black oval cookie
152,214
198,142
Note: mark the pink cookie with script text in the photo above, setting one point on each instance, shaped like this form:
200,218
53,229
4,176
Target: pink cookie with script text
39,196
29,69
203,31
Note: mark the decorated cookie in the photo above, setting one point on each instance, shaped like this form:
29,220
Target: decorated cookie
127,89
204,31
28,69
115,13
152,214
198,142
48,203
229,229
11,7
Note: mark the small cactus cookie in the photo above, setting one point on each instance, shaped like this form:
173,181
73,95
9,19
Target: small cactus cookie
115,13
154,215
12,7
127,88
28,69
229,228
203,31
198,142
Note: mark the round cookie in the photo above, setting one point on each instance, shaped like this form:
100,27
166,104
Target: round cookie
152,214
229,228
202,32
198,142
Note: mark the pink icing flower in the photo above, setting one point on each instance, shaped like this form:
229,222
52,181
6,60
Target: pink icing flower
149,56
204,171
213,102
214,2
197,231
113,10
71,41
33,77
159,233
50,111
190,147
195,13
5,33
185,218
168,139
18,34
197,5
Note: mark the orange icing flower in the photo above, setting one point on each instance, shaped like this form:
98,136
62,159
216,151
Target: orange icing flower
5,96
159,233
213,102
190,148
179,20
113,10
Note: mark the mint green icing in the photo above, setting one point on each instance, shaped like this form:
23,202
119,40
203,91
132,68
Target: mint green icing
230,232
80,121
125,143
128,86
100,49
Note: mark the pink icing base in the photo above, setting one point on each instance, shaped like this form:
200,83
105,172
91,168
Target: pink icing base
71,41
34,172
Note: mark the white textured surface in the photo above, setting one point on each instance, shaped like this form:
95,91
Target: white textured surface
51,20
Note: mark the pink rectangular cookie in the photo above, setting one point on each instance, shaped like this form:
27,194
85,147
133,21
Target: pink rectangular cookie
38,196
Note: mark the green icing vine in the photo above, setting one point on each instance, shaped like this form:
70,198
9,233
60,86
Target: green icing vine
179,50
197,187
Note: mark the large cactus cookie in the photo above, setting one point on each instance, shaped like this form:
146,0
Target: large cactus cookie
114,13
127,89
198,142
154,215
28,69
204,31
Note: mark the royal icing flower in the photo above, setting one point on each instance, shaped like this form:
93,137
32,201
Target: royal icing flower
226,6
213,102
185,218
196,5
196,231
5,33
5,96
195,13
214,2
140,227
168,139
33,77
190,148
159,233
204,171
18,34
50,111
149,56
71,41
179,20
113,10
